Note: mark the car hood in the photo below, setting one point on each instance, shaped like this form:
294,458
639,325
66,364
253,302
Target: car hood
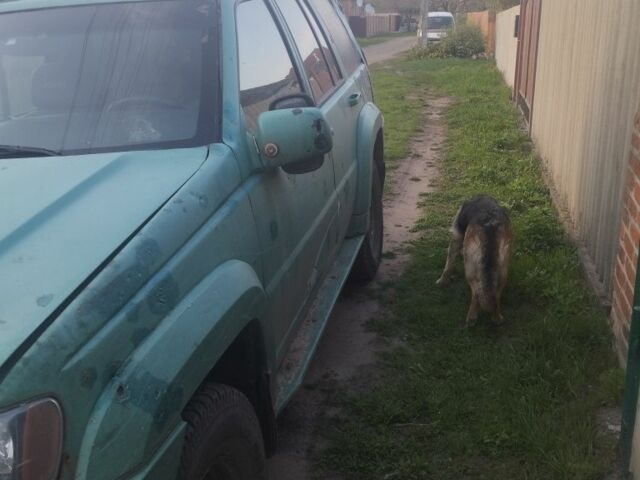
62,217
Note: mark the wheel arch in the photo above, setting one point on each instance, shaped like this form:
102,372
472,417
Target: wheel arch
369,149
143,404
244,366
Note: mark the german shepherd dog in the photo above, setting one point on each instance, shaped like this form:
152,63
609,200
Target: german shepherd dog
482,231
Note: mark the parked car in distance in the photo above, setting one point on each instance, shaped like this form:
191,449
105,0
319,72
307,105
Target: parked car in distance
439,24
185,186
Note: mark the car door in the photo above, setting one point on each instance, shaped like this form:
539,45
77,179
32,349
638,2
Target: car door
345,105
296,214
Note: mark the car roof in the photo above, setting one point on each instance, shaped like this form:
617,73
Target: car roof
440,14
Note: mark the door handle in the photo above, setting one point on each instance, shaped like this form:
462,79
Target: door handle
354,99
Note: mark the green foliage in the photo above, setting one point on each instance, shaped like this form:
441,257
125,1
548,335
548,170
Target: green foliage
463,42
488,403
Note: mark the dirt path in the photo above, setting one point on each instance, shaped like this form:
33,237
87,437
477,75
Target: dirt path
347,352
386,50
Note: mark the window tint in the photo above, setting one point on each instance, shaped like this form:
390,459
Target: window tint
350,56
266,70
315,65
328,53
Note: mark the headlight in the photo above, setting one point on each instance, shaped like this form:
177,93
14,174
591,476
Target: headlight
31,441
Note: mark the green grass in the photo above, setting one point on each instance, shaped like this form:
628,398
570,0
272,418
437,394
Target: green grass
368,41
516,402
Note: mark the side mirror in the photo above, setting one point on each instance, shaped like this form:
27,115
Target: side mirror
296,139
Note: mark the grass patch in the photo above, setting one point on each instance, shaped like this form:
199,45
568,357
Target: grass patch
368,41
402,106
495,403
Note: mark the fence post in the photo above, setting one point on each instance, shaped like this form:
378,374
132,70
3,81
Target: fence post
632,380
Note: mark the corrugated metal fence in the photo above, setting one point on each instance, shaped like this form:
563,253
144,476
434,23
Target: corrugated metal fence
507,43
587,92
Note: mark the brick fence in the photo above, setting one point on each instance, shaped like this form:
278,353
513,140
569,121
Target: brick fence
625,269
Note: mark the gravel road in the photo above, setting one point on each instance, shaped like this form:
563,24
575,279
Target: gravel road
381,52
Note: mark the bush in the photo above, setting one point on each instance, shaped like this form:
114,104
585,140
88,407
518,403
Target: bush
463,42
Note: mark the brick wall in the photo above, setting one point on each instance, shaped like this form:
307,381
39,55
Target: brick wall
625,269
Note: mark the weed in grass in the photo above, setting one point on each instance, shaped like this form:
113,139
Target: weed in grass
497,403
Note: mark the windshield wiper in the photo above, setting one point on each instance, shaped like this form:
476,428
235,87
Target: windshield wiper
12,151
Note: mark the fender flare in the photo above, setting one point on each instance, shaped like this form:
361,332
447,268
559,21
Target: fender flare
142,405
370,125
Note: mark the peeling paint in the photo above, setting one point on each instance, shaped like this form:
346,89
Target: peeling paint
88,378
44,300
273,230
203,200
139,335
164,297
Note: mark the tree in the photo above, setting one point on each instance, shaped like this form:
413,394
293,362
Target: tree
412,7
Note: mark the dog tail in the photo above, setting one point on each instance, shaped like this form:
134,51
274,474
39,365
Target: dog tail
481,261
495,260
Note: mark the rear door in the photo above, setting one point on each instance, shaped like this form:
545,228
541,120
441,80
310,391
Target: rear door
344,105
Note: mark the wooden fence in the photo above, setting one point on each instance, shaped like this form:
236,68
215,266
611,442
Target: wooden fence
486,20
373,25
587,91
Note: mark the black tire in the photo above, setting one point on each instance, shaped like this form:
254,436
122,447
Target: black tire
370,254
224,440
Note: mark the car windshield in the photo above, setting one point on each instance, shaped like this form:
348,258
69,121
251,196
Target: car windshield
108,77
440,23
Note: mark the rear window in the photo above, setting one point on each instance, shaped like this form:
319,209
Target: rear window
349,53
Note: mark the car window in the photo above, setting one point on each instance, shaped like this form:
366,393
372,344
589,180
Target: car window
324,44
266,69
439,23
328,13
315,65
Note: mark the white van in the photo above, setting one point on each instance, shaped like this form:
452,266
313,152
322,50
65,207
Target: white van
439,24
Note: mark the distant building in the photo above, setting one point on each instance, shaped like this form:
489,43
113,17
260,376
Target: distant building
353,8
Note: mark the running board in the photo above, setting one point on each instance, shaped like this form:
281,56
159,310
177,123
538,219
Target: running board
295,364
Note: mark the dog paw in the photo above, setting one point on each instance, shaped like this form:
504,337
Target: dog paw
471,322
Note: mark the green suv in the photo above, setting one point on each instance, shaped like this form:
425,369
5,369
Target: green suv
185,186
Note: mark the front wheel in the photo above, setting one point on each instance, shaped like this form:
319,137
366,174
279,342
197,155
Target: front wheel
224,440
370,254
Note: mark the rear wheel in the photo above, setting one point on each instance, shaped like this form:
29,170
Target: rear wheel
224,440
370,255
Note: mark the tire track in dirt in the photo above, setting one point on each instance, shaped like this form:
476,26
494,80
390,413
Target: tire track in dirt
346,355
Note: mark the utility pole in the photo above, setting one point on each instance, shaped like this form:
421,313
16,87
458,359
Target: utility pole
424,14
